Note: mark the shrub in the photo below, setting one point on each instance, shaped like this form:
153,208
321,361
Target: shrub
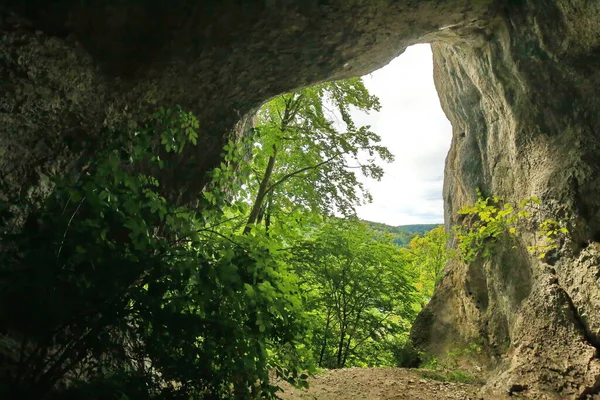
116,293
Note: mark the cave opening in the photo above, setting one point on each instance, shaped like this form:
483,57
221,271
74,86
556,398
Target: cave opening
406,205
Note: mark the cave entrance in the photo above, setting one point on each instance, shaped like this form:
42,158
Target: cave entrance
363,316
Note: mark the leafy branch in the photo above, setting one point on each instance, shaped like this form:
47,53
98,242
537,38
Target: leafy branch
491,219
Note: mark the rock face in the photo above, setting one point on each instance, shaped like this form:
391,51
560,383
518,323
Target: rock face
69,68
517,78
525,111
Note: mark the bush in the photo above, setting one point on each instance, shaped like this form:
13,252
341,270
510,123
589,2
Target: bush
115,293
407,356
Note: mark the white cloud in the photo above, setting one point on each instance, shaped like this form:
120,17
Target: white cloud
415,129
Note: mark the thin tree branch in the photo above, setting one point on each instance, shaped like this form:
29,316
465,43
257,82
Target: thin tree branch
292,174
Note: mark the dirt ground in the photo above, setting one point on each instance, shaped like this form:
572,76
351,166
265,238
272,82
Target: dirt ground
380,384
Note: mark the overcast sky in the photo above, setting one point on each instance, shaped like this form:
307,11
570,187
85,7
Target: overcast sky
415,129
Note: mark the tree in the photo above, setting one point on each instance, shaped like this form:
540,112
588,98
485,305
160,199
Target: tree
306,154
301,165
428,255
358,290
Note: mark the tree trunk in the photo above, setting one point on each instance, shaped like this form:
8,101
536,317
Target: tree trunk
324,345
347,349
262,191
340,351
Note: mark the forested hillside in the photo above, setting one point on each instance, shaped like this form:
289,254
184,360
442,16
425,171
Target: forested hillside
419,229
403,233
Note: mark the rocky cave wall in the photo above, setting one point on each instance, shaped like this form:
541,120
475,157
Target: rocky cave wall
69,68
525,111
517,78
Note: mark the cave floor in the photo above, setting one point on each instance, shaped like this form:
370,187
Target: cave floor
380,384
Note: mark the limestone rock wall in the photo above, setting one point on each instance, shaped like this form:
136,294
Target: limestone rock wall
525,109
70,68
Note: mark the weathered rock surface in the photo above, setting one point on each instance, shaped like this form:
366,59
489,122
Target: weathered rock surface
69,68
525,111
519,80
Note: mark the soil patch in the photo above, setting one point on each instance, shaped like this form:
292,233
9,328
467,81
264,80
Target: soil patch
380,384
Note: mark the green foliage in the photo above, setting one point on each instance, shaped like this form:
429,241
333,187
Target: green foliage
308,152
299,167
177,128
550,231
419,229
430,362
428,256
406,355
460,376
403,234
457,376
449,369
456,352
359,292
284,181
492,219
128,296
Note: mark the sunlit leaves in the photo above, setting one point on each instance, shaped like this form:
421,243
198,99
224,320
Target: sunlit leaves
427,256
318,155
359,289
490,219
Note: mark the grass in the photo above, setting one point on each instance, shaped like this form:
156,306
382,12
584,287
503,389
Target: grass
457,376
